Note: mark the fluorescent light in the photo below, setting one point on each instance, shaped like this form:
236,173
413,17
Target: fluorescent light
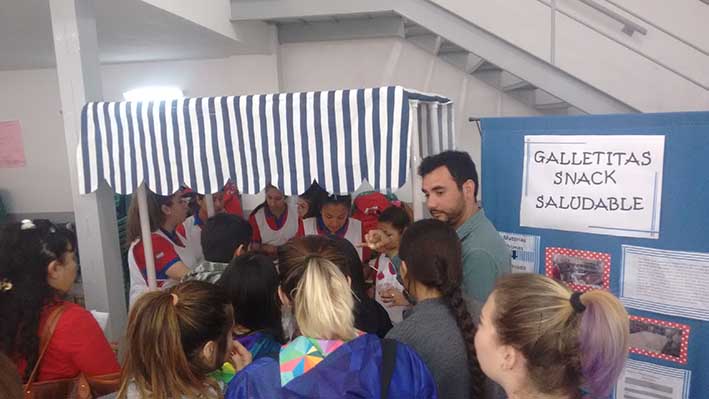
151,93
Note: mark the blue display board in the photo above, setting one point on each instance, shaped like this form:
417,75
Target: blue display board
684,218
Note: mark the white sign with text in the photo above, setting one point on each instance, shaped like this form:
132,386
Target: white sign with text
593,184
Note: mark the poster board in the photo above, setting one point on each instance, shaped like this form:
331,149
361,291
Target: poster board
670,337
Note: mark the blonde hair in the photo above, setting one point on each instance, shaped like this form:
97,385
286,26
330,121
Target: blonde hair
166,334
323,301
565,348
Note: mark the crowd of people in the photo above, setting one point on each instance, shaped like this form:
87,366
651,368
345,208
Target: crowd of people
300,300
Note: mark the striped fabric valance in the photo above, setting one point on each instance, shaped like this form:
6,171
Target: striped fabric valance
338,138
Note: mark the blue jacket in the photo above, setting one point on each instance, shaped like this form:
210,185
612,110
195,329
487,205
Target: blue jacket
351,371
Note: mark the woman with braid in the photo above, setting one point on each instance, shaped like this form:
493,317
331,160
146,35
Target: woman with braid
440,327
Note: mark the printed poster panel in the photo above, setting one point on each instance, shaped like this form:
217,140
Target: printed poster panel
641,380
524,250
667,282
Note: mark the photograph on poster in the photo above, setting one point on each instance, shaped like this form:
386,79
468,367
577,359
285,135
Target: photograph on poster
659,339
642,380
580,270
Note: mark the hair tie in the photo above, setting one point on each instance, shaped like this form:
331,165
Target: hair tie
576,302
5,285
396,203
27,224
175,299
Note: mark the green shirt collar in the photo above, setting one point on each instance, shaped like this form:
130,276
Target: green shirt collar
471,224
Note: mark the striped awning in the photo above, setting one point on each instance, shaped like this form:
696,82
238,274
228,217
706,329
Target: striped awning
338,138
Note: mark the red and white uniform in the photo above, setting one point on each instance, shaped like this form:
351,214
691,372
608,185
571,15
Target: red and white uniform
386,277
167,251
351,231
271,230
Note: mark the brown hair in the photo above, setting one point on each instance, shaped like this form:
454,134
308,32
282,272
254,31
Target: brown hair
167,331
433,256
565,349
293,254
155,213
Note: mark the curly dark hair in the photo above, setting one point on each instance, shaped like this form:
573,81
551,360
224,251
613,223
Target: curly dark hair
24,257
433,257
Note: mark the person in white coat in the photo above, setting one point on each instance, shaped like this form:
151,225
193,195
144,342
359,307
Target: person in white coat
274,222
334,220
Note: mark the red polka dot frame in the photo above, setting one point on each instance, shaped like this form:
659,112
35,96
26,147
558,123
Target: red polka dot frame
580,270
676,335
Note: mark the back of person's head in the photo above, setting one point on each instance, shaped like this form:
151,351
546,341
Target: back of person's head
431,253
26,251
458,163
321,296
315,195
175,339
155,214
222,235
251,284
350,263
566,346
10,384
396,216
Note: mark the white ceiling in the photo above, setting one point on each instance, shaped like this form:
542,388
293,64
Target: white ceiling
128,31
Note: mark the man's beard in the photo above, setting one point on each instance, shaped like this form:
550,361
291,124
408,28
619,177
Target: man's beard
451,218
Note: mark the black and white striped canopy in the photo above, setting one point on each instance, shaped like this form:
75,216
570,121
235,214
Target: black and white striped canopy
338,138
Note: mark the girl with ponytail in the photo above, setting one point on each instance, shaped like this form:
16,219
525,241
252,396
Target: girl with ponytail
540,340
176,338
329,358
440,327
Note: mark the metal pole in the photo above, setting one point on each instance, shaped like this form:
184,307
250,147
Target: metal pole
209,199
146,235
416,194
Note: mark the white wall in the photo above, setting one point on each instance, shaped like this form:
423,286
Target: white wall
662,71
394,61
33,98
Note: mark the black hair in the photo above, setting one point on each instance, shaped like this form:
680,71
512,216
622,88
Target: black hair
397,217
335,199
315,195
353,263
458,163
433,256
222,235
251,284
26,249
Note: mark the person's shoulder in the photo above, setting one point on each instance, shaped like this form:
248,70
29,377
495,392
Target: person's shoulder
72,311
75,320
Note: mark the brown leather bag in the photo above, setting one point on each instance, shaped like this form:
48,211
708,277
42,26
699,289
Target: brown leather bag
80,387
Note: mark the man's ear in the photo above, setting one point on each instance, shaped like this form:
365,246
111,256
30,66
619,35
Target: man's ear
469,190
165,209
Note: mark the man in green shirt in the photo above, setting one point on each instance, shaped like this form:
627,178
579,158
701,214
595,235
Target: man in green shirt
450,184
